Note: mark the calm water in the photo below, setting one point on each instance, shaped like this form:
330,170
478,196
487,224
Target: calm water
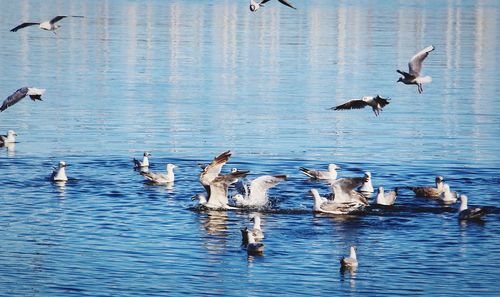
187,80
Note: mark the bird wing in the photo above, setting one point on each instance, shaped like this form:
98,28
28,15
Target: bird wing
14,98
22,26
344,190
310,172
352,104
287,3
381,101
264,1
349,183
57,19
219,187
212,170
415,64
265,182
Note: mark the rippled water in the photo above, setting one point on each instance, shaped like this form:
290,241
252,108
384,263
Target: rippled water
187,80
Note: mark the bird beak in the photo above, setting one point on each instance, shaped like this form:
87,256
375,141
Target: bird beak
194,197
15,134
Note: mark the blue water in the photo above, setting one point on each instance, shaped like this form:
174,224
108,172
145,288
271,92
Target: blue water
187,80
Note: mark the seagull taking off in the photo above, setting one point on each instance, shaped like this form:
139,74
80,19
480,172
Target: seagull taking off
415,66
59,173
218,194
376,103
331,174
161,178
254,5
343,189
9,138
34,93
47,25
386,198
350,262
256,194
212,170
466,213
144,163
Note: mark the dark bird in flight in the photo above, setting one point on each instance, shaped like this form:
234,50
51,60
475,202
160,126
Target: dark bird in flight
254,5
47,25
34,93
376,103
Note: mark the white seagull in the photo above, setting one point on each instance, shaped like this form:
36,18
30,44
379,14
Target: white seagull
9,138
376,103
59,173
331,174
343,189
466,213
447,196
255,195
350,262
212,170
144,163
218,194
47,25
367,188
254,5
428,191
252,246
388,198
324,205
34,93
161,178
415,66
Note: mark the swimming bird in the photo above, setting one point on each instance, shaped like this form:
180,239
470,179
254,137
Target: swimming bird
415,66
428,191
161,178
331,174
256,230
9,138
343,189
466,213
47,25
388,198
34,93
212,170
252,246
254,5
447,196
324,205
218,194
59,173
350,262
255,195
376,103
366,187
144,163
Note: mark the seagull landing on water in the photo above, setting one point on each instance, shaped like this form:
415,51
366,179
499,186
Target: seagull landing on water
466,213
331,174
47,25
59,173
34,93
9,138
255,195
254,5
415,66
161,178
376,103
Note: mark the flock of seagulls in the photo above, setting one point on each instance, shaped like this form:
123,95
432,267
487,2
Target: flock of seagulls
348,195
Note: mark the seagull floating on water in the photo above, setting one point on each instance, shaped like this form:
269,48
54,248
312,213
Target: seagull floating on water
350,262
253,248
331,174
218,193
161,178
386,198
254,5
367,188
324,205
466,213
212,170
144,163
34,93
415,66
255,195
59,173
376,103
430,192
9,138
447,196
47,25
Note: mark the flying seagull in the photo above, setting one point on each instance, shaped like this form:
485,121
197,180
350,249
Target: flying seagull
331,174
376,103
254,5
47,25
255,195
415,65
34,93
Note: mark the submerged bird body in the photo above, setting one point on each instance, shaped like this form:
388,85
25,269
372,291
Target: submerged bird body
34,93
256,194
254,5
430,192
350,262
47,25
59,173
388,198
161,178
331,174
376,103
415,65
10,137
466,213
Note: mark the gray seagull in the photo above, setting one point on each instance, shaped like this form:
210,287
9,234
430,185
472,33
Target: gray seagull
34,93
415,65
